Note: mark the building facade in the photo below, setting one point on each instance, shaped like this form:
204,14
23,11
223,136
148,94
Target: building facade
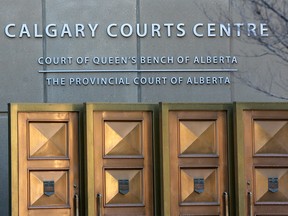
143,107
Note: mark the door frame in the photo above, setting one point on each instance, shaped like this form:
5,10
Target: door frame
91,200
14,109
241,204
165,148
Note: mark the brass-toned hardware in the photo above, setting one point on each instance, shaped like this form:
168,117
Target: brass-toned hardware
76,198
250,203
99,204
226,204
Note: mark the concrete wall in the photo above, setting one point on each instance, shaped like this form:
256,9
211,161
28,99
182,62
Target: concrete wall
257,78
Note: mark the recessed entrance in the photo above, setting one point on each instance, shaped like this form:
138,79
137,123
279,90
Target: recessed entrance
148,159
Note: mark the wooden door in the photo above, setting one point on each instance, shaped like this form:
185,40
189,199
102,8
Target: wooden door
266,161
194,149
47,169
122,167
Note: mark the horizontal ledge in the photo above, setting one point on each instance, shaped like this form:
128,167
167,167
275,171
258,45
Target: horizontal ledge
136,71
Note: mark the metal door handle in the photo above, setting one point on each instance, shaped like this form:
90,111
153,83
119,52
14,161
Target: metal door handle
250,203
76,198
99,204
225,194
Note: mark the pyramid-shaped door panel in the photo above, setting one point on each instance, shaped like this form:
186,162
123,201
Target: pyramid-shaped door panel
123,138
270,137
271,185
197,137
48,139
124,187
56,194
206,192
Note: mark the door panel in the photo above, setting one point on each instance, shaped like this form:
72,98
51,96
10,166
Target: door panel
123,167
266,154
197,174
48,166
48,162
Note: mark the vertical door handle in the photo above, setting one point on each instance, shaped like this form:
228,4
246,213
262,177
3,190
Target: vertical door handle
250,200
225,194
99,204
76,199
